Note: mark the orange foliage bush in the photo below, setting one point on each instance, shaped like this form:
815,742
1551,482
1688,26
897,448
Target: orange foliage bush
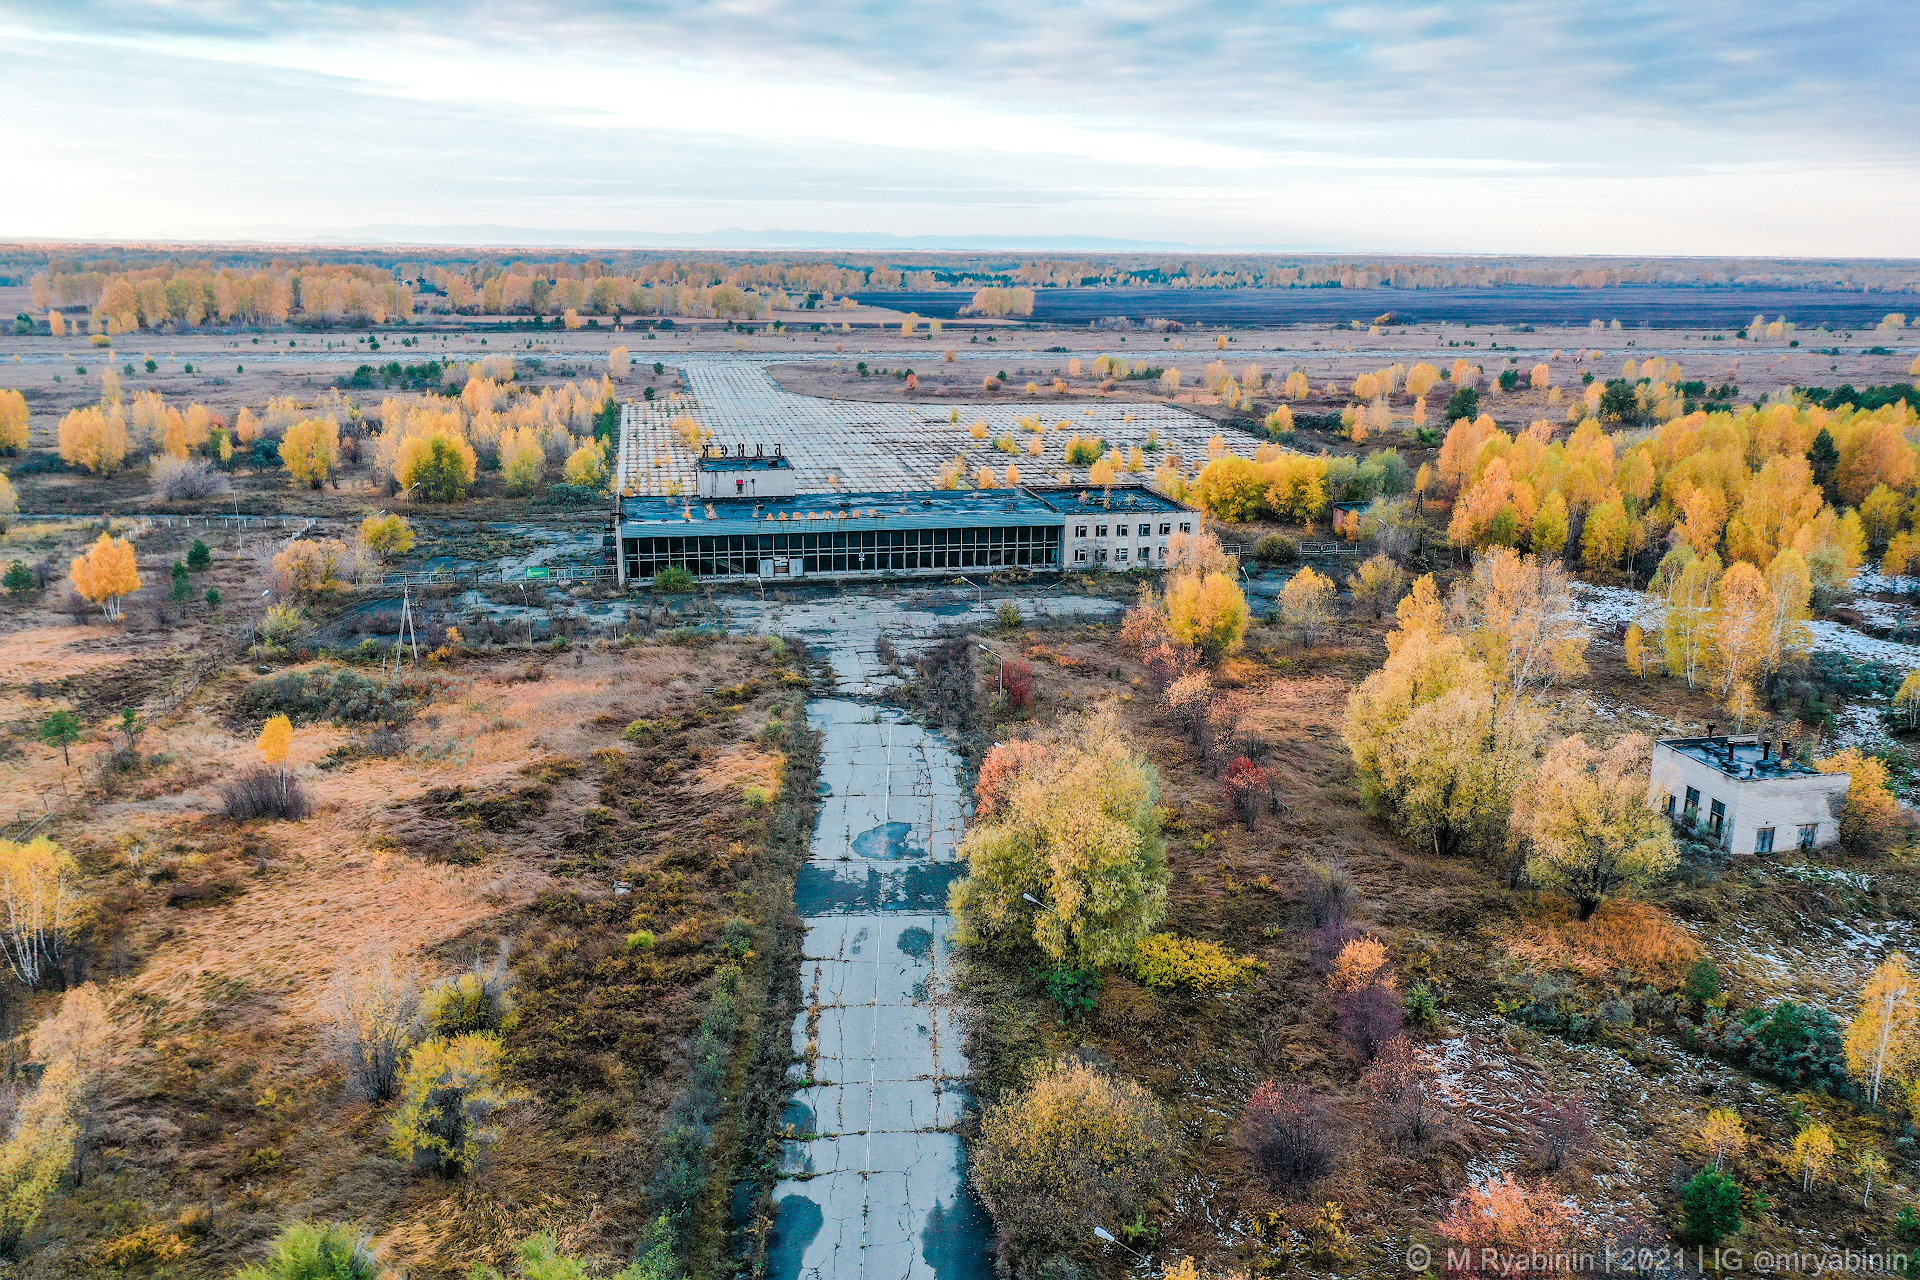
1506,1215
1003,764
1622,935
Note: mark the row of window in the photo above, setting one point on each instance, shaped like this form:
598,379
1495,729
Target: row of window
1080,555
1120,530
869,550
1717,822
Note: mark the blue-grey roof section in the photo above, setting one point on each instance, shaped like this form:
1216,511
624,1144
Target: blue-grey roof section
1079,499
817,512
1738,758
771,462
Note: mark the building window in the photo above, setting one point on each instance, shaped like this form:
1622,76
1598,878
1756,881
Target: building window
1080,554
1763,840
1101,554
1186,526
1080,531
1691,813
1807,833
1716,818
1119,553
1165,529
1100,531
1146,553
1667,808
1163,551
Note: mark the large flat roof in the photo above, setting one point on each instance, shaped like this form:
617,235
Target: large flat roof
1082,499
1739,757
916,508
765,462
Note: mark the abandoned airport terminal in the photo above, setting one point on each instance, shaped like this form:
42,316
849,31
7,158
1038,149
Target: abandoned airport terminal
747,521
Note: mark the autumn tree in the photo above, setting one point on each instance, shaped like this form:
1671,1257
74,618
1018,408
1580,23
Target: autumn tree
94,438
13,421
1377,584
441,464
48,1122
522,459
1812,1154
1591,832
1723,1135
1687,632
1306,604
1604,540
106,573
1740,625
310,450
450,1101
1079,834
1075,1149
618,363
1871,819
1789,606
1508,1216
1435,757
1208,612
1523,621
1635,645
40,906
1549,534
1907,700
309,566
1883,1040
586,467
385,536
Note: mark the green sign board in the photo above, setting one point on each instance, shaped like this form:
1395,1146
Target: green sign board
539,571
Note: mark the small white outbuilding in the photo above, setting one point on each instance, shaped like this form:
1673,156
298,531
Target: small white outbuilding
1738,792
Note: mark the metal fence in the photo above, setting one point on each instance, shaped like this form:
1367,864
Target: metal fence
477,577
175,522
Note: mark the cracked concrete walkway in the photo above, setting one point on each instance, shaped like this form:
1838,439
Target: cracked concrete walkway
873,1181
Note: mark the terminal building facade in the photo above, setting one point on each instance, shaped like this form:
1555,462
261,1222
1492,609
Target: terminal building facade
747,524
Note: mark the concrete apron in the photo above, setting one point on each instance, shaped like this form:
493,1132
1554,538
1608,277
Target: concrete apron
873,1179
879,1190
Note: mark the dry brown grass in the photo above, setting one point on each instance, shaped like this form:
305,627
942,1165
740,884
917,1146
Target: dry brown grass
1632,937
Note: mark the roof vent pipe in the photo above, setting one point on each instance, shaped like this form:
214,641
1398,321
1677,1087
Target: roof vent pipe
1709,730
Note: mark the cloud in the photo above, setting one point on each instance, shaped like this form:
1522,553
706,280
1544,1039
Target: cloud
1417,125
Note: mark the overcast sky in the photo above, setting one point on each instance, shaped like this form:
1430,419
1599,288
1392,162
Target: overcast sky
1631,126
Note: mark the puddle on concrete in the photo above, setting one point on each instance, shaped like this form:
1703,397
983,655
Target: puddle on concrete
889,840
874,1184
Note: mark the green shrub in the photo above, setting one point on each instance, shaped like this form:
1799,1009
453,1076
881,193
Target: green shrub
332,693
316,1251
19,579
199,556
1076,991
1276,548
1165,960
672,579
1711,1201
1084,452
639,731
640,940
1796,1044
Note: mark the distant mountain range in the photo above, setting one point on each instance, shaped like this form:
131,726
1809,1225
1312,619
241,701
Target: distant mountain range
726,238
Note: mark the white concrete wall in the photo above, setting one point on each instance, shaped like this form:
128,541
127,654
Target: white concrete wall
777,482
1094,551
1752,803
